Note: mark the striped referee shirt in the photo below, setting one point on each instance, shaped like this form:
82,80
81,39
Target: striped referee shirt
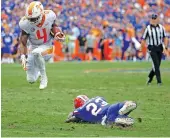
154,35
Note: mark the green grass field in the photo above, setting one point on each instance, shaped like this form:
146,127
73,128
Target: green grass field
28,112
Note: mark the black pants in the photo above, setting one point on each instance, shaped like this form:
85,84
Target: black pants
102,52
156,56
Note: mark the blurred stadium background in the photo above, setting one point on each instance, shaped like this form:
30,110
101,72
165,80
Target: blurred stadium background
113,28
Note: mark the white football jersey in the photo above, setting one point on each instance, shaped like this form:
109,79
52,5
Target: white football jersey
39,34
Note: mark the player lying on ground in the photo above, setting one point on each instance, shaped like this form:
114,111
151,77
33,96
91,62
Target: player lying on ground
38,32
97,110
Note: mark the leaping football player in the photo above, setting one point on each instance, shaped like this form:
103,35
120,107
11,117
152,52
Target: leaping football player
36,41
97,110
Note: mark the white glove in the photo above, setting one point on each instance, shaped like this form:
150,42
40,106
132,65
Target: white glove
58,38
23,62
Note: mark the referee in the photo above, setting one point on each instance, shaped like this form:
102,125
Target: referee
155,36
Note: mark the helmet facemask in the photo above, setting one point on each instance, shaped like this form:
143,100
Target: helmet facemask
35,20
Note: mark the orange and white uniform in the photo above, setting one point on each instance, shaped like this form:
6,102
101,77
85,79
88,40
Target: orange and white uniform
37,23
39,34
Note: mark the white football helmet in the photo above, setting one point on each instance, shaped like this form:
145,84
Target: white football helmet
34,12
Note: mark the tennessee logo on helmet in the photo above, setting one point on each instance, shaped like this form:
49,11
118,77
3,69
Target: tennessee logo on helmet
30,8
39,7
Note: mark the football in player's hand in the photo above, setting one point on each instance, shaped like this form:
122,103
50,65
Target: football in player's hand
56,31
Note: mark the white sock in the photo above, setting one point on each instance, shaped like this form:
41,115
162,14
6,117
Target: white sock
134,59
8,60
3,60
51,60
11,60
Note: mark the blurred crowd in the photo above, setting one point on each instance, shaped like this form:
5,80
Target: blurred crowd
91,23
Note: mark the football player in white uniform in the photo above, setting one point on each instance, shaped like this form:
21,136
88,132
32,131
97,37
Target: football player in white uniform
36,41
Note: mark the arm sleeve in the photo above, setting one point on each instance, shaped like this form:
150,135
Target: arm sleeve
145,35
164,32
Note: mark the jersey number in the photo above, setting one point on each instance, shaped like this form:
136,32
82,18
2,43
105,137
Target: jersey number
94,110
42,34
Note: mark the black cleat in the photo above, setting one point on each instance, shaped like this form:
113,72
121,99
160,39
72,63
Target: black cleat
159,84
148,83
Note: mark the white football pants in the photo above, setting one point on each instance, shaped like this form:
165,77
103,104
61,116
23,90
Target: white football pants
36,63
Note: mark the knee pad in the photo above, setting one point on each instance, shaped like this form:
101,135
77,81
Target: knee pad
36,55
37,51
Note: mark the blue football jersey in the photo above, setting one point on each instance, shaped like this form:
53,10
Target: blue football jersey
93,111
7,40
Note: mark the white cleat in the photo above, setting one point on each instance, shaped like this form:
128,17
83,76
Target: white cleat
128,106
43,83
124,121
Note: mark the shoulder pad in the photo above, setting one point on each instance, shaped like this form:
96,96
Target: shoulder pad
23,24
50,13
